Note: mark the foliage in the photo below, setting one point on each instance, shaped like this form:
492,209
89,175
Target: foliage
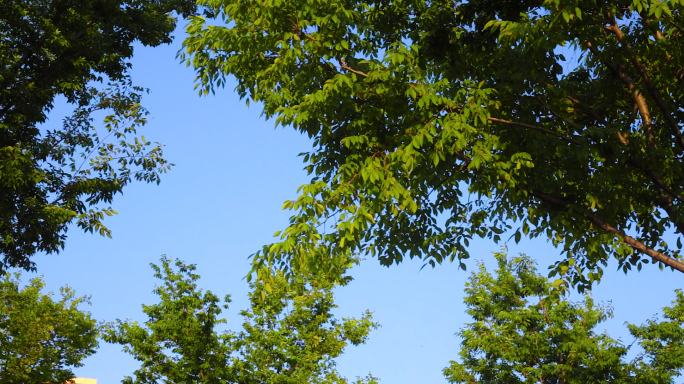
436,122
521,333
51,176
41,339
289,334
179,341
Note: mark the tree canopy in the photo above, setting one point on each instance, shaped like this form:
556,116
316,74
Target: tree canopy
436,122
521,333
51,175
41,339
289,334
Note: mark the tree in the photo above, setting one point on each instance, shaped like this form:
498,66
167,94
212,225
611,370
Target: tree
289,334
51,176
522,333
42,339
436,122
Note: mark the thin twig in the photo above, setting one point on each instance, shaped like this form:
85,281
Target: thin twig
344,66
541,129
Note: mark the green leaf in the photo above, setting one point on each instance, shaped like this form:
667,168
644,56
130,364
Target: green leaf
566,16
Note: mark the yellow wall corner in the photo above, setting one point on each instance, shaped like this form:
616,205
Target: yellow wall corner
81,380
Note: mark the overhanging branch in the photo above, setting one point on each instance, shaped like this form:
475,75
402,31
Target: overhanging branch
632,242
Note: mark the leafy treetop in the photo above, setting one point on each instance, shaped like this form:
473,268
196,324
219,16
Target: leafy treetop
42,339
289,334
522,333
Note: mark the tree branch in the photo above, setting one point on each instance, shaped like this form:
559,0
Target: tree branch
667,195
666,203
589,110
639,246
632,242
329,67
344,66
657,180
540,129
638,97
652,90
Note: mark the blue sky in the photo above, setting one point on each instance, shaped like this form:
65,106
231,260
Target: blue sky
222,201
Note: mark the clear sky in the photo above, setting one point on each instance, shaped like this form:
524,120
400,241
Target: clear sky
222,201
